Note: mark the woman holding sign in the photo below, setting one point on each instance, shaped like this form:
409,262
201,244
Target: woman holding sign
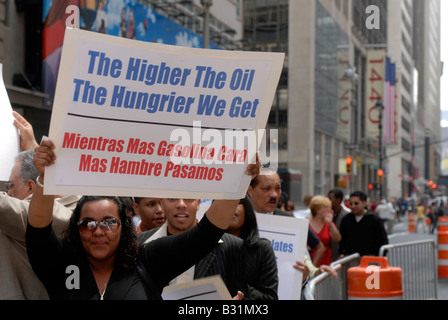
99,257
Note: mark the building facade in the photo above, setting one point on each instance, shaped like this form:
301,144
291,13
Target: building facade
400,49
326,109
328,48
323,103
31,35
427,52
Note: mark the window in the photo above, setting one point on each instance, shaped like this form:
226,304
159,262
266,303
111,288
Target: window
330,40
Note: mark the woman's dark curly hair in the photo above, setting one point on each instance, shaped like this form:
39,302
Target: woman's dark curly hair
128,247
249,230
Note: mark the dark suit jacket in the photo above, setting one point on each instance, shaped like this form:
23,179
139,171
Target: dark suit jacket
312,239
227,260
262,271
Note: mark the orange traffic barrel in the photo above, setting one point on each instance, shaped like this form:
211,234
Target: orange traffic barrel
411,222
442,222
428,223
374,279
442,252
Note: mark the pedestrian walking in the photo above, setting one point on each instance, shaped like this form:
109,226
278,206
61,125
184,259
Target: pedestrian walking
362,231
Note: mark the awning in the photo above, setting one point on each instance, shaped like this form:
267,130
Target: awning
25,97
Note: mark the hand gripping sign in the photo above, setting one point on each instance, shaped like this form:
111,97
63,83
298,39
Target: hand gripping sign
132,118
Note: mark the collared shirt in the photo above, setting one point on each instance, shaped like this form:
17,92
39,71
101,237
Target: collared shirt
272,212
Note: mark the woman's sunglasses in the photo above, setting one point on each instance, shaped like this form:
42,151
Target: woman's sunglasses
107,225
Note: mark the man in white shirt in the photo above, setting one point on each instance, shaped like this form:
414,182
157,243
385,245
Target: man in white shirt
387,214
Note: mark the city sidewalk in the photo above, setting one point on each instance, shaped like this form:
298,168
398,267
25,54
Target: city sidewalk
401,230
442,289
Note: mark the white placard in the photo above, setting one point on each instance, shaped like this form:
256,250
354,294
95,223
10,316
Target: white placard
10,145
288,236
133,118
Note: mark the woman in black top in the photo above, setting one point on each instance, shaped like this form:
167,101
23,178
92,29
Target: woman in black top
99,257
261,266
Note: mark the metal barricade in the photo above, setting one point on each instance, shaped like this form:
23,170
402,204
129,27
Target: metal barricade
418,261
327,287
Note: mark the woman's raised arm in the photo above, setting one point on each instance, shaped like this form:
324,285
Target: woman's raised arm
40,212
221,212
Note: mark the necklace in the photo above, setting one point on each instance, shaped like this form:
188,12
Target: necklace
104,291
102,294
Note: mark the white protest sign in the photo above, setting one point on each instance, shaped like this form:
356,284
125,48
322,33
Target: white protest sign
133,118
288,237
203,207
10,145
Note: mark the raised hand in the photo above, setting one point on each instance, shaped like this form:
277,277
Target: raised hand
44,156
254,169
26,133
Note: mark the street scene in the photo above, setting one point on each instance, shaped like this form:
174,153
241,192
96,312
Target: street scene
402,235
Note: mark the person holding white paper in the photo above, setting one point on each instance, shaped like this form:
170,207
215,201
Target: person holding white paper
264,192
16,276
100,248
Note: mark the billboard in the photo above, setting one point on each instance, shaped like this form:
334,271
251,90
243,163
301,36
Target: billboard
122,18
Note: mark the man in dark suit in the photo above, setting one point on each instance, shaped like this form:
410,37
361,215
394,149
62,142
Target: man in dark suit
226,260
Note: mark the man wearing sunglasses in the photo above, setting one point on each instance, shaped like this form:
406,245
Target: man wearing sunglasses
17,279
362,230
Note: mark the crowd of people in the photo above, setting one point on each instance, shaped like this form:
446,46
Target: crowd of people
426,211
133,247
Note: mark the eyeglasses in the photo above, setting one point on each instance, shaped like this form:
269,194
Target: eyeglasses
9,186
108,225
